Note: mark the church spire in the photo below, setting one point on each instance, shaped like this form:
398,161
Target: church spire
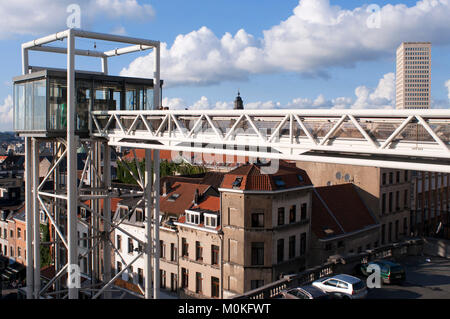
238,103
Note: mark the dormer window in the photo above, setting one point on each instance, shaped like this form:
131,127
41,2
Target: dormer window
210,220
83,212
279,182
300,178
237,182
193,218
123,211
139,215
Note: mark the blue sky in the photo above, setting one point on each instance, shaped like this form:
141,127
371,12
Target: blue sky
290,53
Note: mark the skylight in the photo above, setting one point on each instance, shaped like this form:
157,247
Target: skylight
279,182
173,197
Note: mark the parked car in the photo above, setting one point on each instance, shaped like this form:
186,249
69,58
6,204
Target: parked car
390,271
345,286
304,292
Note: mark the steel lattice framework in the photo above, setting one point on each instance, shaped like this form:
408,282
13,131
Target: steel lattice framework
417,140
413,139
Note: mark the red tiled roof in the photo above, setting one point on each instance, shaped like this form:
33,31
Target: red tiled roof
211,203
205,158
347,211
253,178
184,201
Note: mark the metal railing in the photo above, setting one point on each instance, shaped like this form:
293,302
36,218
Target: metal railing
343,264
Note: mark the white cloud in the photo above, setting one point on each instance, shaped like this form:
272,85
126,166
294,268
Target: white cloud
23,17
382,96
447,84
315,37
119,30
6,114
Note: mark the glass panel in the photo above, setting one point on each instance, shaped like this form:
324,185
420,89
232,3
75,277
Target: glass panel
58,105
84,90
131,99
39,105
149,100
19,106
28,106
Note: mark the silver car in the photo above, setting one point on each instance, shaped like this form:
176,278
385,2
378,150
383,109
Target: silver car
345,285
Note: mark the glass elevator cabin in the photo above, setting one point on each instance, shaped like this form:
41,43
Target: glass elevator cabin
40,100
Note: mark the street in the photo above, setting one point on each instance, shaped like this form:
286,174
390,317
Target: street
424,280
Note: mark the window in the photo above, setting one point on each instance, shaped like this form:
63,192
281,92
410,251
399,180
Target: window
281,216
390,232
405,199
383,204
383,234
303,244
173,282
304,211
237,182
279,181
198,251
406,176
255,284
11,233
18,252
215,287
119,242
398,176
397,200
18,232
130,274
193,218
292,214
391,178
384,179
258,220
405,226
257,254
5,234
173,252
342,285
119,266
210,220
390,202
139,215
340,244
141,277
397,228
130,245
198,283
214,255
162,249
280,250
331,282
184,278
328,246
162,281
291,247
184,248
85,241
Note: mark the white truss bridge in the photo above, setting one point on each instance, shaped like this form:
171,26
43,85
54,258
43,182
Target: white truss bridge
406,139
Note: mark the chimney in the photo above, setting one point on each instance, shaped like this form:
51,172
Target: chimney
166,187
196,197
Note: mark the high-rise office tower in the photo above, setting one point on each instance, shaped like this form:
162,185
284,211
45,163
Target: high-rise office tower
413,75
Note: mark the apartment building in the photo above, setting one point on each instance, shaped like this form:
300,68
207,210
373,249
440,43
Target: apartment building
385,192
413,75
201,244
266,225
430,205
